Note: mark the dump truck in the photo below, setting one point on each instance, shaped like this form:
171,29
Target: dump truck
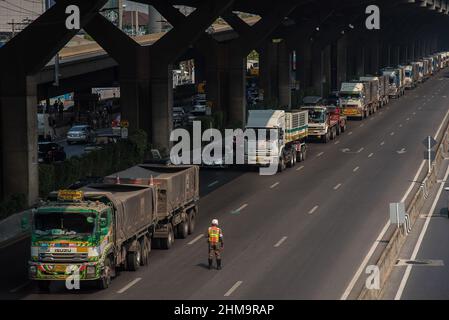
289,147
381,95
325,123
93,232
372,97
396,81
353,99
411,76
177,198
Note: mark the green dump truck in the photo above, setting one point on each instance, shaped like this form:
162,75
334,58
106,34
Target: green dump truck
95,231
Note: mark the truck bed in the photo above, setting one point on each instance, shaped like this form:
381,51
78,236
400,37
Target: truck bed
177,186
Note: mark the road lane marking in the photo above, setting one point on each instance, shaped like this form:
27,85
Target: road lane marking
400,126
129,285
274,185
362,125
233,288
370,155
300,168
320,154
195,240
355,169
239,209
382,143
213,183
349,133
386,226
420,240
18,288
337,186
360,150
280,242
407,119
392,133
313,209
337,142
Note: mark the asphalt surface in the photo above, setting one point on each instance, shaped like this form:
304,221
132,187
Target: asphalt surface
427,277
301,234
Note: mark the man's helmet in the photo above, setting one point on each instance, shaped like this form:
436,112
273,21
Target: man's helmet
215,222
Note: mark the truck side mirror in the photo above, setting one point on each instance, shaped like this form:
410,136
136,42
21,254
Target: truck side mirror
103,222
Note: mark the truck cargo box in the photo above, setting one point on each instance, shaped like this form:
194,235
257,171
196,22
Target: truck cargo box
134,206
296,125
177,186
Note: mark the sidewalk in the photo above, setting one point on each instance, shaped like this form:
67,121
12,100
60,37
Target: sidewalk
11,228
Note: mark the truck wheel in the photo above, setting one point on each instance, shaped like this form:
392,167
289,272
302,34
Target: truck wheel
134,258
43,285
155,243
326,137
343,129
281,166
338,129
166,243
294,157
145,251
182,229
299,156
191,220
105,280
304,153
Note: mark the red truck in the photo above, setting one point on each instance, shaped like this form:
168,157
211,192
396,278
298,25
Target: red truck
325,122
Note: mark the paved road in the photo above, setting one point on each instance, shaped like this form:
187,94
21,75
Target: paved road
424,268
300,234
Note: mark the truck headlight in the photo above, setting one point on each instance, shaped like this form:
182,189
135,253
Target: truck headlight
33,270
91,270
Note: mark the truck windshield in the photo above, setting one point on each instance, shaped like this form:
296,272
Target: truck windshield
408,73
350,95
64,223
316,116
392,79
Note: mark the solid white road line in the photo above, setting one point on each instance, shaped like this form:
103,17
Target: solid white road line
234,287
337,186
195,240
313,209
300,168
370,155
274,185
23,285
355,169
280,242
385,228
213,183
320,154
420,239
129,285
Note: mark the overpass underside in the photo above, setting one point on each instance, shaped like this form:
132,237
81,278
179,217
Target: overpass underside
305,47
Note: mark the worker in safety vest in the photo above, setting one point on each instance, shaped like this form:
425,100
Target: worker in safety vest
215,240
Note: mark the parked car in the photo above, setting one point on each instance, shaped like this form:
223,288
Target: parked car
80,133
179,116
50,151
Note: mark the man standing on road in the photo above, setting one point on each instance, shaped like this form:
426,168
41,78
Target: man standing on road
215,240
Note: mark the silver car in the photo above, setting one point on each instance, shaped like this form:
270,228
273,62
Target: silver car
80,133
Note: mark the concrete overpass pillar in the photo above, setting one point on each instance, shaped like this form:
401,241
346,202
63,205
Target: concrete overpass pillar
18,130
267,71
304,66
342,61
237,90
284,75
317,70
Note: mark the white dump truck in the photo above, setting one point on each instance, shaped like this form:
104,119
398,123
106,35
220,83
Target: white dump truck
411,73
380,90
291,129
396,81
354,99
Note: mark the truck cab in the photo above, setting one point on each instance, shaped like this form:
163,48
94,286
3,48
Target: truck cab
353,99
70,235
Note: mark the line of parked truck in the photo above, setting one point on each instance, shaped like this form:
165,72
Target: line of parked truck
319,119
92,232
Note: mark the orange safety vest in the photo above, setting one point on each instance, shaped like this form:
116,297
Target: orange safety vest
214,234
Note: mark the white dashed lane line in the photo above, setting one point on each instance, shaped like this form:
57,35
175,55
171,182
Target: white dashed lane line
213,183
233,288
337,186
195,240
129,285
280,242
274,185
320,154
355,169
300,168
370,155
313,209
